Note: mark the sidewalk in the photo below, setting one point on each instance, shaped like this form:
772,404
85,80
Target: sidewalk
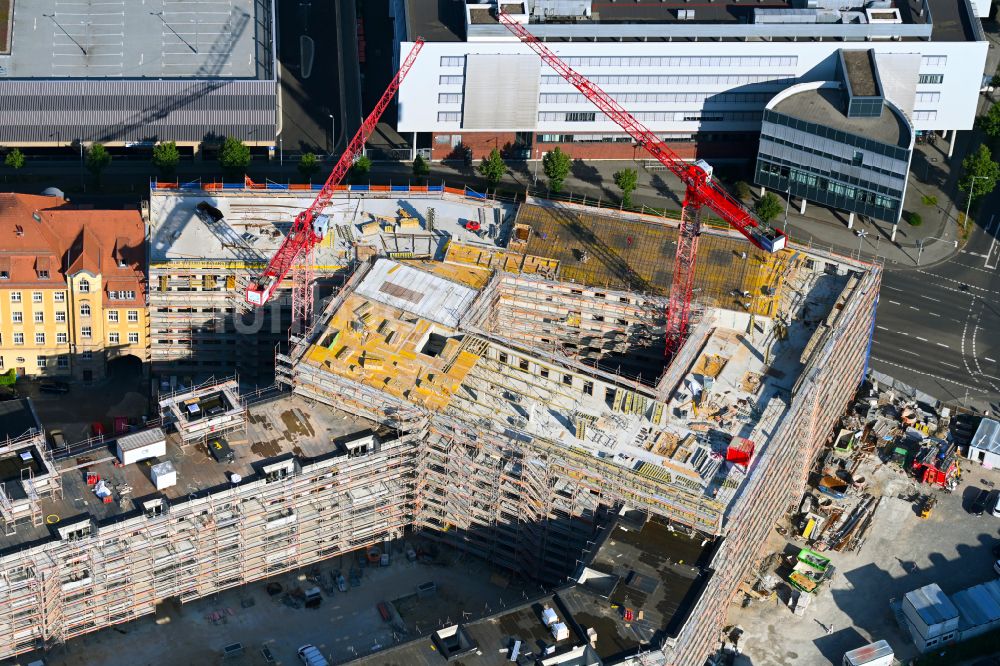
657,187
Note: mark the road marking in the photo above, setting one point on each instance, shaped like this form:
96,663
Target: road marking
921,339
913,308
903,333
907,351
895,302
991,360
936,300
934,314
950,365
939,344
928,374
986,264
893,288
881,327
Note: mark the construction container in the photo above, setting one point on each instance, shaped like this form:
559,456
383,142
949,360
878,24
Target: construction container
163,475
874,654
142,445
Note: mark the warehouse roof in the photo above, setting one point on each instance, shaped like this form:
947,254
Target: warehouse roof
209,39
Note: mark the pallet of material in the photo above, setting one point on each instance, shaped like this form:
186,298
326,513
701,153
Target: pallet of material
409,223
369,228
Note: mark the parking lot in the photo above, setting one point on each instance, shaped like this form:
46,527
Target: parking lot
902,552
347,624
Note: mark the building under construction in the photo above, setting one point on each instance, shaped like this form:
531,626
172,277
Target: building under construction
507,394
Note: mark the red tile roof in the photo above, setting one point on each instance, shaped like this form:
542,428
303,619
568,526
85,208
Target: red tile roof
39,231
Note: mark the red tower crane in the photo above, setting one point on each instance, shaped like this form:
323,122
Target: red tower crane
296,251
700,189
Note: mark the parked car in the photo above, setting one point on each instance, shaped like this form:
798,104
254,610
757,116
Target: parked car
993,503
50,386
311,656
979,504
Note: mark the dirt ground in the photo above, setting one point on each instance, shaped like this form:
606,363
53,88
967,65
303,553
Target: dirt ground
346,625
902,552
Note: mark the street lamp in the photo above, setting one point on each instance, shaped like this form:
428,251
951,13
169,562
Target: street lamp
861,237
788,198
920,245
332,135
968,204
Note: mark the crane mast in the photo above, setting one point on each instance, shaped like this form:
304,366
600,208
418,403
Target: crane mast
700,189
295,253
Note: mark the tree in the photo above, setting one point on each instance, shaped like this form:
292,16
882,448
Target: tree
421,169
166,157
980,173
767,207
362,167
14,159
626,180
98,159
990,123
308,165
556,165
493,168
234,157
743,190
914,219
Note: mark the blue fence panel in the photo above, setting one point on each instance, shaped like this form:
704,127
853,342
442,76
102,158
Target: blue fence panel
277,186
474,194
399,188
435,188
317,187
233,186
358,188
193,185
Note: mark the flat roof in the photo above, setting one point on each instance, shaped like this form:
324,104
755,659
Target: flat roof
828,107
418,292
861,72
289,425
123,38
435,21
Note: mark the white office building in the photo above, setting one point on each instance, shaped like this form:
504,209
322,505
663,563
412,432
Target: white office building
699,74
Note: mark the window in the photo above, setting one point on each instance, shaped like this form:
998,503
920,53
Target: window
87,355
931,78
61,316
15,297
1,361
36,297
925,115
85,309
59,297
588,388
455,80
567,380
62,338
113,338
503,357
580,116
449,116
42,275
113,316
133,316
39,338
121,295
86,332
452,61
450,98
4,275
544,372
16,317
133,338
39,317
858,159
928,97
84,286
62,361
523,364
19,338
934,61
41,361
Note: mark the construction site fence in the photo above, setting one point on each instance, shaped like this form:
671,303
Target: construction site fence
270,185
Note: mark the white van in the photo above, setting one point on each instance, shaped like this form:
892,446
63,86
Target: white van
311,656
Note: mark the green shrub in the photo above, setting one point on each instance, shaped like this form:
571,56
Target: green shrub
914,219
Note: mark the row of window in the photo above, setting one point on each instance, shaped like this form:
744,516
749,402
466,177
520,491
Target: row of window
925,115
525,365
681,61
17,317
934,61
669,98
931,78
652,116
43,361
672,79
85,332
40,274
37,296
836,184
857,160
450,98
928,97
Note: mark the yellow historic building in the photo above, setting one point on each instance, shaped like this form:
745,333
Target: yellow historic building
72,288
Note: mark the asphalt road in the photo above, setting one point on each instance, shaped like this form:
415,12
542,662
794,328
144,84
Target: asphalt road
938,327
